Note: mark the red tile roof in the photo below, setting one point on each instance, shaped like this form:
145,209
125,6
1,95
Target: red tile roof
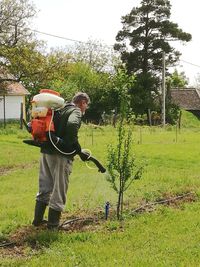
9,85
14,88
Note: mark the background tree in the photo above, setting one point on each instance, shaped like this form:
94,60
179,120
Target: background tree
147,33
24,61
98,56
177,80
15,16
31,66
82,77
174,80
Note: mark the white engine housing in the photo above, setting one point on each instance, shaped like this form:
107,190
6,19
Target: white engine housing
48,100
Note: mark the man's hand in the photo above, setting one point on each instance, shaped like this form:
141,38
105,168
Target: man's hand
84,155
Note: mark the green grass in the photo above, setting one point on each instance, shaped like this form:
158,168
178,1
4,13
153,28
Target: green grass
189,120
167,236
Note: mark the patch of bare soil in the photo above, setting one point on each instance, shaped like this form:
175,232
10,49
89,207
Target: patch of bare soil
85,220
16,244
7,169
79,224
168,200
12,251
26,237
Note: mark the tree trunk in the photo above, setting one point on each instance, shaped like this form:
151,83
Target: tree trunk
122,203
119,204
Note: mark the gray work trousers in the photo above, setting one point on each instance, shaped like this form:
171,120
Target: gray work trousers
53,180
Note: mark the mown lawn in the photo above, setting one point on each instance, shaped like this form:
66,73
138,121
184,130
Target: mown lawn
161,235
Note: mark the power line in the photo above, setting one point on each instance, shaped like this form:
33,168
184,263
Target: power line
195,65
57,36
78,41
62,37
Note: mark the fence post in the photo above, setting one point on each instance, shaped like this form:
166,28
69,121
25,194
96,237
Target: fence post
4,111
21,116
149,117
92,137
140,135
176,132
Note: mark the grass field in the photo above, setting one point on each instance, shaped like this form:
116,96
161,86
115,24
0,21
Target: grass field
159,235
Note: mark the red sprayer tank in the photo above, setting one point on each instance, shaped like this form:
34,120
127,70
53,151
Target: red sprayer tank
42,106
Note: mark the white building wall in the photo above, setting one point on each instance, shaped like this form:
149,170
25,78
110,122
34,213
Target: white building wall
12,107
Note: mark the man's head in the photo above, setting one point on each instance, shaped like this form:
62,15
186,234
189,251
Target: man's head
82,101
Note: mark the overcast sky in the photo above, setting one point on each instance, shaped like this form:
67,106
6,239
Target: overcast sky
101,20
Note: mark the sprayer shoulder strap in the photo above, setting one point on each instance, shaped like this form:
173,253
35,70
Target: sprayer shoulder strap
60,119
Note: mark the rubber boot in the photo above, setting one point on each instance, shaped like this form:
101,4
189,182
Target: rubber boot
53,219
39,213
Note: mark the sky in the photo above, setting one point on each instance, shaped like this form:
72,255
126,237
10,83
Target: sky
101,20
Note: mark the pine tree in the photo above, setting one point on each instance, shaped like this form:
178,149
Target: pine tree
148,32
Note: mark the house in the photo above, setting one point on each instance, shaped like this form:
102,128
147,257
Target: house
12,100
187,99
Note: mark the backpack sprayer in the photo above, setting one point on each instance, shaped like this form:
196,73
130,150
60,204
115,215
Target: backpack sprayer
43,106
41,126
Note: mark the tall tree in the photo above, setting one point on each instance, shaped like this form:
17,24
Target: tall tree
147,33
15,16
150,33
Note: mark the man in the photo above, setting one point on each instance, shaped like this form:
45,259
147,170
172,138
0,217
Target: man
56,161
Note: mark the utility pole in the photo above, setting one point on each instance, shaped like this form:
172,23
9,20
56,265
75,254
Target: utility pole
163,89
4,111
